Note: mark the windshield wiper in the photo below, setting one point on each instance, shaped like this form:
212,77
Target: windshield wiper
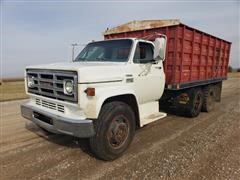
80,59
101,58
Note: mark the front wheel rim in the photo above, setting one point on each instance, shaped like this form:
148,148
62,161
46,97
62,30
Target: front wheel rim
118,132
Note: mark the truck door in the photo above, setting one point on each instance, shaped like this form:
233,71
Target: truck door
149,78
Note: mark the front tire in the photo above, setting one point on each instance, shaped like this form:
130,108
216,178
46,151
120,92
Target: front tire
114,130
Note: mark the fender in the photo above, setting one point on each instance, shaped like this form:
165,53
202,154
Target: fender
94,105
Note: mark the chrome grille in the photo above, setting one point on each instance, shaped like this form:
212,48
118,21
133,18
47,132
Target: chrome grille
50,105
49,83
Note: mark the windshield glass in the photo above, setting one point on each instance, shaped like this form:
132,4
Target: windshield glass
114,50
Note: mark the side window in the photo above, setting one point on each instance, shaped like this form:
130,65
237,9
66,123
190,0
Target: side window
143,53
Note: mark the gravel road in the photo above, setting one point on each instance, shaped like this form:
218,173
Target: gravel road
206,147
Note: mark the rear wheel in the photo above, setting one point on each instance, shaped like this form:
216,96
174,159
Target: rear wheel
195,104
114,129
208,99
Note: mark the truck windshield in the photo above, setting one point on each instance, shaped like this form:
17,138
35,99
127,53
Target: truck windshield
113,50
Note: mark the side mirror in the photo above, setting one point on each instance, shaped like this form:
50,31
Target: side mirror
160,48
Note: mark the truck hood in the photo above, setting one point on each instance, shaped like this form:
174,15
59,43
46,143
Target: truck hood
89,72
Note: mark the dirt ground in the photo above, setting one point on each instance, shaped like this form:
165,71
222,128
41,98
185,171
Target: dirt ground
206,147
12,90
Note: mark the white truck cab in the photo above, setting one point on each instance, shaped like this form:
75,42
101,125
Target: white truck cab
111,88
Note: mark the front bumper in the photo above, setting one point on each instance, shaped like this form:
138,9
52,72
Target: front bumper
58,124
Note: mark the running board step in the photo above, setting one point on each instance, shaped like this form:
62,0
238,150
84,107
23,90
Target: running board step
152,118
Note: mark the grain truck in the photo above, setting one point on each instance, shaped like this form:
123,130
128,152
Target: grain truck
119,84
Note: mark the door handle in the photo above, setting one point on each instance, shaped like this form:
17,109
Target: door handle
158,67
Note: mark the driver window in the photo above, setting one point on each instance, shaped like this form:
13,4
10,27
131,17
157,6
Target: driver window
143,53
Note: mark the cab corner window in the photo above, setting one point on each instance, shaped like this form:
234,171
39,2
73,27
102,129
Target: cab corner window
143,53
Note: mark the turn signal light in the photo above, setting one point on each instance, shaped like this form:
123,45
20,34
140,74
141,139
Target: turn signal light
90,91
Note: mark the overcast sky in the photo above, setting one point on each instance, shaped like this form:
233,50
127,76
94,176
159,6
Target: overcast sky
42,31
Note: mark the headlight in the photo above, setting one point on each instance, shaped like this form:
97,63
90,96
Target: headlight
30,81
68,87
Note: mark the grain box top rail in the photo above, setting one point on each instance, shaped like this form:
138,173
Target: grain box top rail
148,24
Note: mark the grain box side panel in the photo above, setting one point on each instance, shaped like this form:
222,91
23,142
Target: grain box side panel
202,57
192,56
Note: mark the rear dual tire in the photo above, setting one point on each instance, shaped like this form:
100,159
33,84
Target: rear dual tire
201,99
195,104
208,99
